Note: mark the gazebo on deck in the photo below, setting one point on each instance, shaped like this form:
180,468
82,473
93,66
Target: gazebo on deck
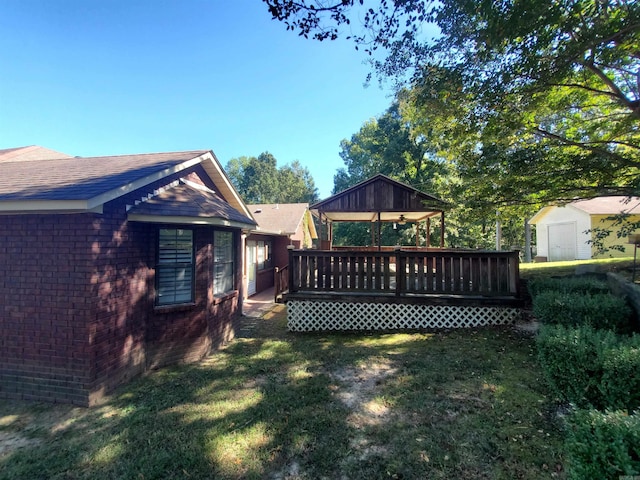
392,288
379,200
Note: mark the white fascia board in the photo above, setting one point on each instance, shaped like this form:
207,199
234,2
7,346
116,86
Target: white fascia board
261,231
214,168
540,214
130,187
219,222
48,206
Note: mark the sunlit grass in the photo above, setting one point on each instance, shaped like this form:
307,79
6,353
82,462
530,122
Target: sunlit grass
568,267
458,404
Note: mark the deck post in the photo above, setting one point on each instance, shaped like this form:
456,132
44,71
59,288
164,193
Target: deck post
293,287
379,233
400,271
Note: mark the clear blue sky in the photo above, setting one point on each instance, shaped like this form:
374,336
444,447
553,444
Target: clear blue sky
108,77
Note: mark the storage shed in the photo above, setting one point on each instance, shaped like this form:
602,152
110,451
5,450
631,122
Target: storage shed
564,232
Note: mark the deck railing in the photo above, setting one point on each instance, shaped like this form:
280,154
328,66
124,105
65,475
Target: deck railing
280,282
405,272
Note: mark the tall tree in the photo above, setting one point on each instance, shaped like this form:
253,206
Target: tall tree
386,145
549,91
259,180
543,97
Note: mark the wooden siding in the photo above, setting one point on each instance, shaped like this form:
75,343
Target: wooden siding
377,196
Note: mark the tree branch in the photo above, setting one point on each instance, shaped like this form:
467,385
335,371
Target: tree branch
615,90
565,141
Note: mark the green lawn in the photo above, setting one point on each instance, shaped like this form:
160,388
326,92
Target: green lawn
619,265
459,404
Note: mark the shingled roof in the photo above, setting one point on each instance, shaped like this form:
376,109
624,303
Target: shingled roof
609,205
280,218
83,178
189,203
30,153
77,184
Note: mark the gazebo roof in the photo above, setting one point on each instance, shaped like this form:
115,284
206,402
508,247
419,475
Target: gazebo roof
380,197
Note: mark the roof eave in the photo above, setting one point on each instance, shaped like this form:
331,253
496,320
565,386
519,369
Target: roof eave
48,207
214,169
213,221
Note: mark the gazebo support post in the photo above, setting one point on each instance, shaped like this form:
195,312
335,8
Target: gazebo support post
379,233
428,233
441,229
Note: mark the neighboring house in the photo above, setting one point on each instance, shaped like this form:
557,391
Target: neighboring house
110,266
563,232
279,226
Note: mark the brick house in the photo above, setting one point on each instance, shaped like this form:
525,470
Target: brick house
111,266
279,226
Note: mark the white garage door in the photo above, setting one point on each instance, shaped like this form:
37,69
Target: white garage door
562,242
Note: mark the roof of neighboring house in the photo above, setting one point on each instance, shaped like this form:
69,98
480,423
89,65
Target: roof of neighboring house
281,218
27,154
186,202
608,205
77,184
611,205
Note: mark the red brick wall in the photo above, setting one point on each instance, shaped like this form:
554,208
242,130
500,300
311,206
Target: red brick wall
77,304
44,306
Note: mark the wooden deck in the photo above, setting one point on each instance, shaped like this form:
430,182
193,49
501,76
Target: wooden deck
414,288
405,272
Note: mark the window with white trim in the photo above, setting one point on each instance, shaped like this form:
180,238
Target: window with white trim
174,273
223,262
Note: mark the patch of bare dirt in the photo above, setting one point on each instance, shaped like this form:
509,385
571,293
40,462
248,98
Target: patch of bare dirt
359,388
26,426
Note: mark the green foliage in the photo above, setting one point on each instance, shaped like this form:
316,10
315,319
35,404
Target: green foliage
530,101
588,367
572,361
602,311
603,445
387,145
621,375
578,284
259,180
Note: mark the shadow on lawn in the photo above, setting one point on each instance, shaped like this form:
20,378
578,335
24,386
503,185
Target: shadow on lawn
281,405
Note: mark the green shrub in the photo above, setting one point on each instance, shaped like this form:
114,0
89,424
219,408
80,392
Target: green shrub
603,445
601,310
620,385
571,360
582,284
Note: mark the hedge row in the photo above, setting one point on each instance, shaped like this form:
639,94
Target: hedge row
591,368
603,445
599,310
582,284
596,369
588,365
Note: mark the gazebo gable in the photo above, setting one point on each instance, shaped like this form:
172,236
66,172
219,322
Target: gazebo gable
380,198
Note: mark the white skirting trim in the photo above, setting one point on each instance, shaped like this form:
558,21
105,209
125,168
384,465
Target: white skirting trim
308,316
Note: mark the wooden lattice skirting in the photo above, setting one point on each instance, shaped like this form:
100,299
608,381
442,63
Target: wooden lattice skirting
326,315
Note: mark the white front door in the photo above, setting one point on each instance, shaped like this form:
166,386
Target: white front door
251,267
562,242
